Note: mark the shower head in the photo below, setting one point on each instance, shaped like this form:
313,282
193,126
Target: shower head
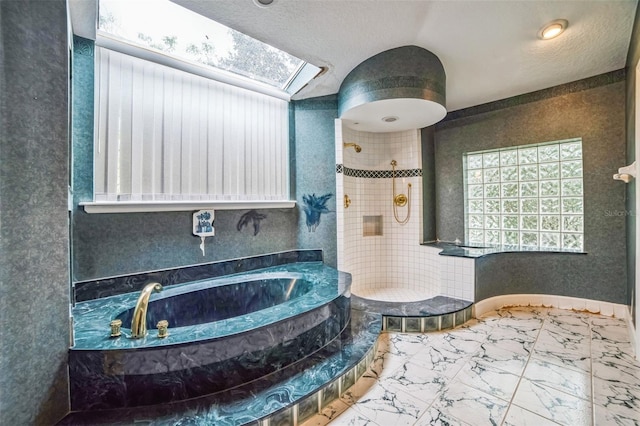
355,146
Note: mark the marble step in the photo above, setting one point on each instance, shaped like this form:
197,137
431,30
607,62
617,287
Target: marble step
424,316
289,396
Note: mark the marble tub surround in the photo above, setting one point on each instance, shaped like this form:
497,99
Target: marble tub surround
517,366
297,391
92,318
105,287
204,358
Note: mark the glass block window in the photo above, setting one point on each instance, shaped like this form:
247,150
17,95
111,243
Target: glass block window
529,196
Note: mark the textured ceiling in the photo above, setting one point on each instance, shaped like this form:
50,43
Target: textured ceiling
489,49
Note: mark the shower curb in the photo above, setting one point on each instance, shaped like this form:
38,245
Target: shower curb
426,324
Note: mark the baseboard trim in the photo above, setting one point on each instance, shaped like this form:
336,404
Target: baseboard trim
562,302
632,337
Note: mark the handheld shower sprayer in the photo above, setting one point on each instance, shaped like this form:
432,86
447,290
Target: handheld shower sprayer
400,200
355,146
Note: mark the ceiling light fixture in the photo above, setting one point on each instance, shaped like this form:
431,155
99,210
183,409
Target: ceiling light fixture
390,119
553,29
263,3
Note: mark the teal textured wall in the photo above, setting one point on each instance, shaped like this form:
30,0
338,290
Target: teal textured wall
316,171
104,245
592,109
34,226
633,57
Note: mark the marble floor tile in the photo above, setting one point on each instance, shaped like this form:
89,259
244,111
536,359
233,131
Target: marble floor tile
569,315
606,348
511,340
386,406
526,312
440,359
397,348
553,404
617,397
513,362
417,380
561,340
511,367
579,327
530,326
407,344
611,329
616,367
605,417
489,319
488,378
470,405
463,344
435,417
472,330
573,382
574,360
518,416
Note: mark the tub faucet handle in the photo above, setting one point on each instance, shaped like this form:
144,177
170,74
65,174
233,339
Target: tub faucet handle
115,328
163,327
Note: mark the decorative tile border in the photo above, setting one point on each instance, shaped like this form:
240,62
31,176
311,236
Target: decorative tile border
104,287
377,174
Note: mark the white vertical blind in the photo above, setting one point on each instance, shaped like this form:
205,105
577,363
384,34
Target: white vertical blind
165,134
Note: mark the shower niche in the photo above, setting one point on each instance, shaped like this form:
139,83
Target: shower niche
372,226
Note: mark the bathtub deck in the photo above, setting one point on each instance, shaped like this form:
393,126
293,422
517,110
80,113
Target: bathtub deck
295,393
309,383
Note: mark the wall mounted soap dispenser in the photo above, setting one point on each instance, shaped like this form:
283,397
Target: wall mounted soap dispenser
203,225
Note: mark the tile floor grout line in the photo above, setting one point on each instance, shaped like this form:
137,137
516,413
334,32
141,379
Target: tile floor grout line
546,319
513,395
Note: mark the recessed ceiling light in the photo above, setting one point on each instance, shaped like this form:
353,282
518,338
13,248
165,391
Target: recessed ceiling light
263,3
389,119
553,29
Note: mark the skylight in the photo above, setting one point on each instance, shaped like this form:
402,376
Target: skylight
176,31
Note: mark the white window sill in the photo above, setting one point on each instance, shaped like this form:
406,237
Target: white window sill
179,206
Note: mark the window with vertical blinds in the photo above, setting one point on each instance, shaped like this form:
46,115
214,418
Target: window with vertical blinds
167,135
